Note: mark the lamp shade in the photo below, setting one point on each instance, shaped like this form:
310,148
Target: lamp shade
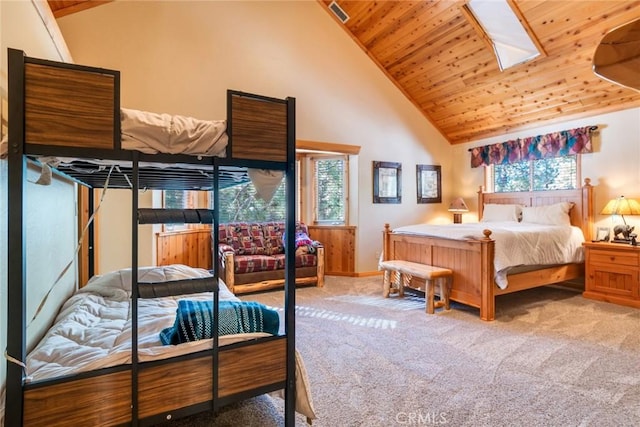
621,206
458,206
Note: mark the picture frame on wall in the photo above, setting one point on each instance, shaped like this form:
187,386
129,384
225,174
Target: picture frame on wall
387,182
429,183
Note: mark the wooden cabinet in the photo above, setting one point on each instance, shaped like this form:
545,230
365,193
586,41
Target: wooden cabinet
189,247
612,273
339,243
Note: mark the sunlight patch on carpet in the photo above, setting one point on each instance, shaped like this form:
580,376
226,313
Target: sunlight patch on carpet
336,316
402,304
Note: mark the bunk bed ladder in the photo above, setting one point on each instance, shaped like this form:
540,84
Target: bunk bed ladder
290,273
134,290
216,297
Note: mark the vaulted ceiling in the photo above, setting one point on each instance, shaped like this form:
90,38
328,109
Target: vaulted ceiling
439,60
62,8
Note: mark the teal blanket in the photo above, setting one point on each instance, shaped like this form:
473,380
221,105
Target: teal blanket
194,320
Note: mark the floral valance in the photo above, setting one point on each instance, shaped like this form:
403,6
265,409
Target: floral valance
556,144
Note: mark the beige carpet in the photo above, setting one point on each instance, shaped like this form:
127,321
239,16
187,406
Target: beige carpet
552,358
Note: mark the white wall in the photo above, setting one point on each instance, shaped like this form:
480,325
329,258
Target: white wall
50,221
613,167
181,57
114,231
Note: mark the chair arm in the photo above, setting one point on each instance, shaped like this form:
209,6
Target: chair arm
320,265
227,269
223,248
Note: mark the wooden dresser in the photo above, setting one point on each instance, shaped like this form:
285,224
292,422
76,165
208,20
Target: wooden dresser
612,273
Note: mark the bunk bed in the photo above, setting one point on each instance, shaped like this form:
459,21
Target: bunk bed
69,116
472,257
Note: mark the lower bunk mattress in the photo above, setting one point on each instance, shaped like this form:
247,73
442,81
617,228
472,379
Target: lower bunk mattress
93,329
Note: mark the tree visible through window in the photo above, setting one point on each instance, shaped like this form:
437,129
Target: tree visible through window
330,189
238,203
557,173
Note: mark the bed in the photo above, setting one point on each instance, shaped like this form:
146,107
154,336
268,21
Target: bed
69,116
472,254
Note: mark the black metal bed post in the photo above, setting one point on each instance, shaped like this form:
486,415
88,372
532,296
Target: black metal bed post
16,263
91,252
290,273
134,289
215,357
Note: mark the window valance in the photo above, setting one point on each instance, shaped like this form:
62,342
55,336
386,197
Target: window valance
556,144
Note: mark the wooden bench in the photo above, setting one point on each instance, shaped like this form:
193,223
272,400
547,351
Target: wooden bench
433,276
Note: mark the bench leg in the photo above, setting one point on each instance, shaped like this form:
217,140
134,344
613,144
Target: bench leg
401,279
444,286
386,284
445,291
430,295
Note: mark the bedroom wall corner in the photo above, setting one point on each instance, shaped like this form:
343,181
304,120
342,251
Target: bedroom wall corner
181,59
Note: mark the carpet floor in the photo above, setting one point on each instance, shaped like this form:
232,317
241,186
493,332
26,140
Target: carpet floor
551,358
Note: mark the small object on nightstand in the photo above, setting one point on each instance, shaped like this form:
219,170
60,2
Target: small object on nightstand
458,207
622,206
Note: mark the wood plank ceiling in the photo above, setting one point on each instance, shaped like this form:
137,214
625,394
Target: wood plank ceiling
62,8
443,65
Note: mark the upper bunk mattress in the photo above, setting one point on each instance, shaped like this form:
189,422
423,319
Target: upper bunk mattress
153,133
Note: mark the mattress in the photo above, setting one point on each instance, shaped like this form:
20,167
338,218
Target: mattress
93,327
154,133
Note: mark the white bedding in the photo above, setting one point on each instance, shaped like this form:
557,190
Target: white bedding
153,133
516,243
93,328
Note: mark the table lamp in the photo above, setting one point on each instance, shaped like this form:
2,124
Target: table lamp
458,207
622,206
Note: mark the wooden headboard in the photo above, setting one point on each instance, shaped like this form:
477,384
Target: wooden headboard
581,215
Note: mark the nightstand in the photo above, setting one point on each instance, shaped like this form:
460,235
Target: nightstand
612,273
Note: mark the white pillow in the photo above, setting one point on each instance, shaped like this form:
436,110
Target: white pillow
496,212
556,214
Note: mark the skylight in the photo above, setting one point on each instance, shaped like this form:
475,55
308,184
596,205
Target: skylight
511,42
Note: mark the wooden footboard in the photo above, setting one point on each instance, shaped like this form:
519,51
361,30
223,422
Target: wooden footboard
470,260
163,387
472,265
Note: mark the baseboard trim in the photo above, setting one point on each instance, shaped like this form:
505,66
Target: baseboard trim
354,274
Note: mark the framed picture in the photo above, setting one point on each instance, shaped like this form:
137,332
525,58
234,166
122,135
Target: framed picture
429,179
387,181
602,235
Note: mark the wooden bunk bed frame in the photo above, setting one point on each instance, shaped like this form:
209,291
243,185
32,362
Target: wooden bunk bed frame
70,110
472,260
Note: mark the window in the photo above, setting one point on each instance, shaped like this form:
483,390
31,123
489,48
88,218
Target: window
178,199
330,189
504,28
322,180
557,173
238,203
